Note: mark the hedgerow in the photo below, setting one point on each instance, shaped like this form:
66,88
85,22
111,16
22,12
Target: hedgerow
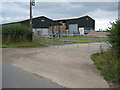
16,33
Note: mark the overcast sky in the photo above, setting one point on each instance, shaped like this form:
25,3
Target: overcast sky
102,12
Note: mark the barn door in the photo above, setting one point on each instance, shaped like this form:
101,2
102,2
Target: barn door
73,29
45,31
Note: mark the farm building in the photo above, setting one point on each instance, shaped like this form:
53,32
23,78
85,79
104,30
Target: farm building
77,25
41,25
66,26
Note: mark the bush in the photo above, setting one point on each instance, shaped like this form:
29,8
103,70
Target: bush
114,36
16,33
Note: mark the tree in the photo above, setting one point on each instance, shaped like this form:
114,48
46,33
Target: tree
114,36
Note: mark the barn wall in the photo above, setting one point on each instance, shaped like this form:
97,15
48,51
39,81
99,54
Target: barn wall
39,22
86,22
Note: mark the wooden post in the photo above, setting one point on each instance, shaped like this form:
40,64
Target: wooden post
31,14
31,19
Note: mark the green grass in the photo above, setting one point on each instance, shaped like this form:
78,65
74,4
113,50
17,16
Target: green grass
107,63
49,41
18,45
82,36
55,41
70,40
85,38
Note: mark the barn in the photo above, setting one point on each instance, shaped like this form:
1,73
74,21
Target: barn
76,25
41,25
64,26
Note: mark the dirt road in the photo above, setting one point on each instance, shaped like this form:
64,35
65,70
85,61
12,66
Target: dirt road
69,66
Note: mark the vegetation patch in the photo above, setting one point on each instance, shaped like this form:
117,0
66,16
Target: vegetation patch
82,36
25,44
114,36
72,39
107,63
16,35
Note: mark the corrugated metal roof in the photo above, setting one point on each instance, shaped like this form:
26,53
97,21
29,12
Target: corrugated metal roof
70,18
16,21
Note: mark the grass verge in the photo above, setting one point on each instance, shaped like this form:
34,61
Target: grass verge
85,38
18,45
108,65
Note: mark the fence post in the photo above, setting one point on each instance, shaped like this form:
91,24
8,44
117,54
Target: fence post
89,45
67,39
57,40
77,40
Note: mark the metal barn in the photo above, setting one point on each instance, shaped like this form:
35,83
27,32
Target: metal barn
75,25
41,25
65,26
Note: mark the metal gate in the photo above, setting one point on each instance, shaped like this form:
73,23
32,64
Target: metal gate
70,39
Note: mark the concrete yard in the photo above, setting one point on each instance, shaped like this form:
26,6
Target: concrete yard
68,65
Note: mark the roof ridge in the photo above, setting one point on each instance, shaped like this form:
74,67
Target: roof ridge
15,21
76,17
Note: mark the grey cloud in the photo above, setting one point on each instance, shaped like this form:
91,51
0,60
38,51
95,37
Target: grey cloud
12,10
74,9
61,9
107,6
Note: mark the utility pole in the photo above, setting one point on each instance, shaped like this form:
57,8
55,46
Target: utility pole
31,14
32,3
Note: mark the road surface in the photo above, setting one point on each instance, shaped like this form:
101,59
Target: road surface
16,78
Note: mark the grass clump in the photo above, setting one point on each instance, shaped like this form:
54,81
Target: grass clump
108,65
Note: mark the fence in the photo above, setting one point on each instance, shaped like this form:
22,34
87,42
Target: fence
58,40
